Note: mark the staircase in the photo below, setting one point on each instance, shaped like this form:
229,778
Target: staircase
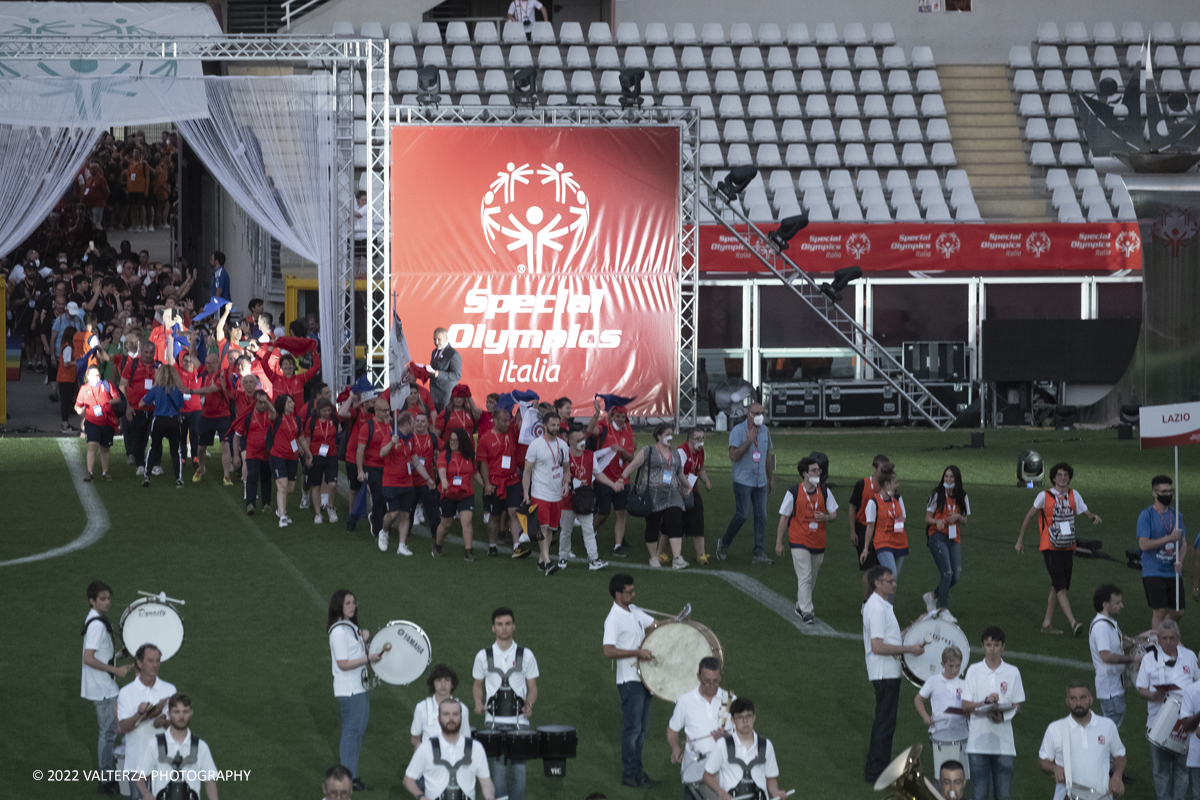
987,141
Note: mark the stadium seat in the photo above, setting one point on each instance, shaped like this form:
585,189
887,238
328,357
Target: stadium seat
807,58
496,82
1165,56
750,58
841,82
1104,33
1065,130
1105,57
735,131
1042,155
1132,32
373,30
668,82
1135,55
783,81
764,131
578,57
960,195
797,34
868,179
656,34
870,81
759,106
967,212
894,58
937,130
1060,106
635,58
466,80
709,132
1100,213
1047,33
768,34
710,156
713,33
902,194
474,100
874,106
704,104
664,58
779,180
913,155
878,212
697,83
684,34
406,81
1070,213
1062,195
797,156
1093,195
1053,80
1025,80
404,57
896,179
927,81
457,33
400,33
909,130
1019,57
942,154
342,29
1072,155
932,106
820,213
767,155
429,33
850,212
1189,33
827,34
821,130
812,81
599,33
1077,57
1076,33
855,155
900,83
837,58
581,82
779,58
1031,106
671,101
549,57
787,106
722,58
1125,213
512,33
1057,177
816,106
607,58
908,212
628,33
1082,81
882,34
433,55
903,106
755,82
927,179
850,130
568,33
938,212
922,57
1036,130
854,33
827,156
755,194
1048,58
692,58
884,155
610,83
739,155
462,57
865,58
553,80
880,130
793,131
740,33
809,181
1171,80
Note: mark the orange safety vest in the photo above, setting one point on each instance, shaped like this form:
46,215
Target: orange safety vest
887,514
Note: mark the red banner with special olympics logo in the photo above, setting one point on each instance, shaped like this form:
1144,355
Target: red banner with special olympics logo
550,255
903,246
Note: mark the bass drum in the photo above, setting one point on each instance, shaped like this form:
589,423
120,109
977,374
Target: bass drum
677,648
1137,650
936,634
149,620
406,651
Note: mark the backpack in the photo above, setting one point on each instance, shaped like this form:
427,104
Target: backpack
1058,539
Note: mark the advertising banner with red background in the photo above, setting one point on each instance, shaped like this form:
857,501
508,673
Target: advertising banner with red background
917,247
550,255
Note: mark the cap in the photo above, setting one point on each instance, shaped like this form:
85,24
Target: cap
73,308
461,390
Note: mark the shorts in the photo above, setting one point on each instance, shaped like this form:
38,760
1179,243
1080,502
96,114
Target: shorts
1059,564
607,499
400,498
324,469
284,468
135,198
499,502
549,512
450,506
210,426
667,522
101,434
1160,592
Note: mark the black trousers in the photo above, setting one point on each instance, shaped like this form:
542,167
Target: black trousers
164,428
258,473
66,398
431,504
137,435
887,701
190,428
378,504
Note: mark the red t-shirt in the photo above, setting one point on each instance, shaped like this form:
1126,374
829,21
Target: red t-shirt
449,420
291,385
382,433
581,468
264,382
609,436
396,467
423,449
216,404
191,381
321,433
229,353
140,377
255,428
486,422
97,397
286,445
494,449
459,470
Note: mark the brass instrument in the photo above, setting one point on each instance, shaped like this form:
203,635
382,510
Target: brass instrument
903,779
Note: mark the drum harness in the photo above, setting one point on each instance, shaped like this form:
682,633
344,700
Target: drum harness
112,662
452,791
177,789
365,673
1119,635
746,785
504,702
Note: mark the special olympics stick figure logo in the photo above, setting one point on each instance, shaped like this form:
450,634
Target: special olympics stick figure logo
1128,243
948,244
1038,243
539,220
858,245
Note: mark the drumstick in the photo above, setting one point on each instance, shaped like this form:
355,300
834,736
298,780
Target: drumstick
163,597
386,647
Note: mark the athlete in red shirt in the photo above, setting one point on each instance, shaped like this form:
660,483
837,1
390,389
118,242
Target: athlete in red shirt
456,469
692,453
403,475
460,413
95,402
614,450
214,414
137,378
373,434
500,478
285,454
318,443
252,433
285,379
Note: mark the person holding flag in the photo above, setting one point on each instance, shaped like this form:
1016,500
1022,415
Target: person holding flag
614,448
1162,539
523,406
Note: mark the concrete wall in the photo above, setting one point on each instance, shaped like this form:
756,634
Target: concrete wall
982,36
385,12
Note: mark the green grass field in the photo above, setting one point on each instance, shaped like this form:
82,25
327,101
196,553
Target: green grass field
256,657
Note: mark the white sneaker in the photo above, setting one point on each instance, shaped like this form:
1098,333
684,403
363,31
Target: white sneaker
402,550
596,564
383,541
654,562
944,613
304,500
679,563
419,515
487,517
156,471
930,602
562,563
284,522
318,520
141,471
332,514
151,227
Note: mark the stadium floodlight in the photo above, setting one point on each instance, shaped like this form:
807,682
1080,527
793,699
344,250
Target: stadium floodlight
525,87
736,182
631,87
1031,469
788,228
429,81
841,279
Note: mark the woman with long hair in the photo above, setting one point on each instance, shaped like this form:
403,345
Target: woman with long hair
885,523
284,454
456,470
667,487
318,442
945,515
166,397
348,652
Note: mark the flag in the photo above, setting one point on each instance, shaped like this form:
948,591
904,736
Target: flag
212,307
614,401
531,422
359,509
398,359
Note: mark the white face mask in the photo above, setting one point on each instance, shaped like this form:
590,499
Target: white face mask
667,439
758,419
814,479
698,445
93,379
949,486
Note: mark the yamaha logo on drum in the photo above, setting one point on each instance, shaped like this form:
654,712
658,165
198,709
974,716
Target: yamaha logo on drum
414,643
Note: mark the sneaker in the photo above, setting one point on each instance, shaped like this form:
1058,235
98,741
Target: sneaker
722,550
487,517
318,519
359,786
333,515
664,558
596,564
621,550
250,510
304,501
402,550
106,476
679,563
151,227
562,563
808,619
930,602
654,562
284,521
226,481
129,459
197,477
140,471
65,428
87,478
146,482
156,471
383,541
761,558
493,551
436,552
944,613
521,550
550,568
704,560
179,483
469,555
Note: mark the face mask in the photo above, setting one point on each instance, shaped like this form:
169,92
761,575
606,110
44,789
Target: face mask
93,379
949,486
814,479
698,445
1165,499
667,439
758,419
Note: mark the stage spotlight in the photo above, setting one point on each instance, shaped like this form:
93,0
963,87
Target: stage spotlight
631,87
1031,469
525,87
429,82
736,182
788,228
841,279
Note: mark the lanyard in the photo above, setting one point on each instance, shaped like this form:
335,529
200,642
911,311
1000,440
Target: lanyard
813,505
1166,519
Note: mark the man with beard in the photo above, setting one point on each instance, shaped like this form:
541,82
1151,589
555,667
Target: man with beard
448,765
1081,749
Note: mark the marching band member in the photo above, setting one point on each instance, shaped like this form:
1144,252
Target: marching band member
99,684
140,706
990,744
624,631
1088,743
952,780
744,762
703,716
1166,664
347,647
507,673
442,683
449,763
177,759
945,692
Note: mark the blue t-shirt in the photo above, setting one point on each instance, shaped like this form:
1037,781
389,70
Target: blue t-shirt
747,471
1160,562
166,402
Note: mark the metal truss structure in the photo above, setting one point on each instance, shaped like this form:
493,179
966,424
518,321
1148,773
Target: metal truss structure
687,120
344,57
808,290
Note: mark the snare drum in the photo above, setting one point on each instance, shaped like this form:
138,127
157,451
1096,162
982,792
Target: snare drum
1165,732
936,634
677,648
492,740
522,744
406,652
150,620
558,743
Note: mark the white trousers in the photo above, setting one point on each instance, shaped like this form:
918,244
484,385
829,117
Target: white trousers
807,566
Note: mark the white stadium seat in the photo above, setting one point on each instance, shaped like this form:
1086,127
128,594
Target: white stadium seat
712,33
755,82
1036,130
797,156
854,33
882,34
722,58
827,34
880,130
812,81
837,58
429,33
400,33
570,33
343,29
628,33
788,107
1105,57
884,155
783,81
797,34
827,156
913,155
967,212
1132,32
740,33
900,83
850,130
793,131
759,106
607,58
1077,33
1042,154
909,130
807,58
750,58
1047,33
942,154
894,58
656,34
1104,33
1077,57
404,57
599,33
684,33
816,106
1019,57
1072,155
457,33
764,131
769,34
870,81
373,30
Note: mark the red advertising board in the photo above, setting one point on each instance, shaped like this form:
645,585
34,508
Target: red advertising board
550,255
916,247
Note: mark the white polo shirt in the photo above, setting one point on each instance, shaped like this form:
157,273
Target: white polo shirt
437,777
943,694
425,719
987,737
131,696
879,622
1105,635
1154,671
1093,747
698,717
626,630
1190,707
505,660
728,774
158,773
96,684
345,644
